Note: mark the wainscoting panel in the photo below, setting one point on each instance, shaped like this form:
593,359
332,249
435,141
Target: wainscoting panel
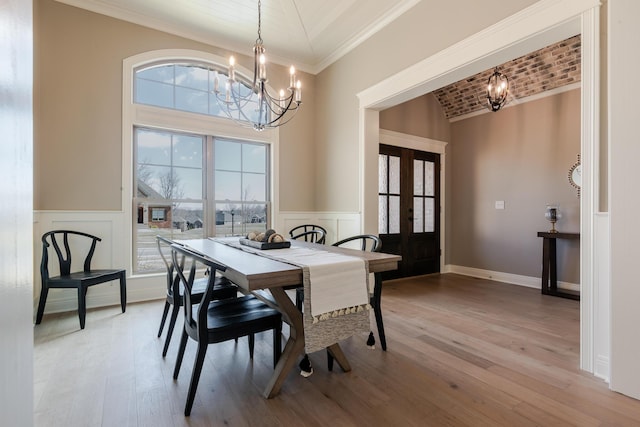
112,252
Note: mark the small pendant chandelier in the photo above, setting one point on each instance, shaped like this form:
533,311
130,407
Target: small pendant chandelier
497,90
256,107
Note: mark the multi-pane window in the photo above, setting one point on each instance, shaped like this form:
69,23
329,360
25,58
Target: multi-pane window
186,181
176,191
241,186
169,189
423,193
157,214
423,196
388,194
189,87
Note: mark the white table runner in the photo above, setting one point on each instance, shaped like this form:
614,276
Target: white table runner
336,303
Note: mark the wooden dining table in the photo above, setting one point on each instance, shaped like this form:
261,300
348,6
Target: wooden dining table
269,279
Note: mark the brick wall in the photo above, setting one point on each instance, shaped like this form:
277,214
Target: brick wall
546,69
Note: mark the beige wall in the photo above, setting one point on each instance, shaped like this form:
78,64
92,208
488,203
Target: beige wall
520,155
416,35
421,116
78,110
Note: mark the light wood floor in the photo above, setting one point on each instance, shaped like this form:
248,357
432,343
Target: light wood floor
462,352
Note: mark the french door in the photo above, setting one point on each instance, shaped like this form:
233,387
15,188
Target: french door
409,209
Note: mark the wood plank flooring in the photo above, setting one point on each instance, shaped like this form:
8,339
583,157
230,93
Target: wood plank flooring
461,352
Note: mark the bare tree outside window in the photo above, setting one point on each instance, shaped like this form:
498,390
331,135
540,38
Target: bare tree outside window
144,173
170,186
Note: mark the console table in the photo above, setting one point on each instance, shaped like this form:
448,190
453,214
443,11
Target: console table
549,264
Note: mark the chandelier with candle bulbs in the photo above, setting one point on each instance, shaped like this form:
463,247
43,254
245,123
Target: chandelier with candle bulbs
255,105
497,90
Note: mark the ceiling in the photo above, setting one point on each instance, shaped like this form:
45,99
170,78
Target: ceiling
549,69
311,34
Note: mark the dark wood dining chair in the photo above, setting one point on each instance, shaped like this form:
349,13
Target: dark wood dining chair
309,233
81,280
217,321
222,289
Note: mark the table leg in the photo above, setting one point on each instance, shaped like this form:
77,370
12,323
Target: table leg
553,267
339,357
545,266
550,270
294,346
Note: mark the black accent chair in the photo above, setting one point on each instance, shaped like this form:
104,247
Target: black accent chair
222,289
80,280
309,233
218,321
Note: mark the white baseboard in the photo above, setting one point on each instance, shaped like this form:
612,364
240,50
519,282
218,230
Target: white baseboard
602,368
498,276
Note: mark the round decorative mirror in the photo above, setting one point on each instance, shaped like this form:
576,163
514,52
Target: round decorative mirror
575,175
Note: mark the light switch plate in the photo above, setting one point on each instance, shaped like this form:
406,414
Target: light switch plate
499,204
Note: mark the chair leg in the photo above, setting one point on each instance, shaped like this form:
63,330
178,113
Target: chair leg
82,305
378,313
195,377
277,344
299,298
377,310
164,317
252,342
123,291
43,301
183,346
172,324
329,361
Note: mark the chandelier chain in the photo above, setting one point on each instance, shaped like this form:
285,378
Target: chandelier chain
259,39
254,105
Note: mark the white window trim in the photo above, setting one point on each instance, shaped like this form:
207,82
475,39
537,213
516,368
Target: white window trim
174,120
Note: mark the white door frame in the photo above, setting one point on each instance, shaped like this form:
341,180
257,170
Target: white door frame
535,27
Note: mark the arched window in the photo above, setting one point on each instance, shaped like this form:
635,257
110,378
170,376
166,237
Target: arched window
187,87
192,171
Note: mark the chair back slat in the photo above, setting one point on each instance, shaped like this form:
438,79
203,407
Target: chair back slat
197,324
302,232
366,240
71,276
311,236
87,260
64,259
